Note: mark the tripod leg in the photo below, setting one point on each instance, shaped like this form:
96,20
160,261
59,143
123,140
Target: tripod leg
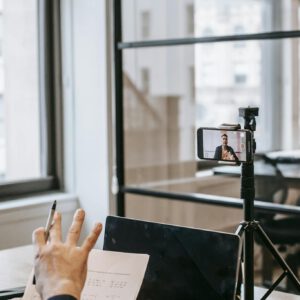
248,264
277,256
239,283
293,261
240,230
247,194
245,231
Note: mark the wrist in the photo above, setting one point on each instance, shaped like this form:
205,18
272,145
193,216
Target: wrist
62,297
64,287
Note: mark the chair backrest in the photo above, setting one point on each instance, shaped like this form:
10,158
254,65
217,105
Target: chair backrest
271,188
185,263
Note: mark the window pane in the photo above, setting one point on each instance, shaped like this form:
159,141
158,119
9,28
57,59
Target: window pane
20,142
162,112
185,18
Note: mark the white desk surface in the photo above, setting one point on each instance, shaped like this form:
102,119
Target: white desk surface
16,265
284,154
259,292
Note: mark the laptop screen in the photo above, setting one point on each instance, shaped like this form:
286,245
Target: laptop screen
185,263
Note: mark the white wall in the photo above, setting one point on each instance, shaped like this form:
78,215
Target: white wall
85,86
18,218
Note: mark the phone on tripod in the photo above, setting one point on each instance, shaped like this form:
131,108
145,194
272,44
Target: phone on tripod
229,145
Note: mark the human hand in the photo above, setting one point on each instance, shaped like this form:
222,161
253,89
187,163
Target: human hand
61,268
227,155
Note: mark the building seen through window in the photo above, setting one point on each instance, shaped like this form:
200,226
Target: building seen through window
145,24
225,76
190,19
145,78
20,111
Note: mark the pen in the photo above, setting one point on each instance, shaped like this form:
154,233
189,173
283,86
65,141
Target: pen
48,226
50,220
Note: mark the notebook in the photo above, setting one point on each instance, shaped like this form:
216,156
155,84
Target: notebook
185,263
111,275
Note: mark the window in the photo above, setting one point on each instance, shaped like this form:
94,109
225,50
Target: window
190,19
1,28
191,79
207,31
240,73
27,89
239,29
240,78
145,27
145,78
20,92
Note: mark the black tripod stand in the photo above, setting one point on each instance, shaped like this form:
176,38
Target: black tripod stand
249,226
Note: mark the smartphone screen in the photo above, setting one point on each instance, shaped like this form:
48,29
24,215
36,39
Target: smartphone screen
225,145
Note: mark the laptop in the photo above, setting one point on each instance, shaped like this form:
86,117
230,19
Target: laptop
185,263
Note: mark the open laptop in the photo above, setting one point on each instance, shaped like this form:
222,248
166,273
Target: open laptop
185,263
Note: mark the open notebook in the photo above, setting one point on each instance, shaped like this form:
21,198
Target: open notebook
185,263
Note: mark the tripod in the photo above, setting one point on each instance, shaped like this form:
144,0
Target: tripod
249,226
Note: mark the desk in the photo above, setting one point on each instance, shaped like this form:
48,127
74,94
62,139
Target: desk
288,162
16,265
285,155
290,172
264,181
259,292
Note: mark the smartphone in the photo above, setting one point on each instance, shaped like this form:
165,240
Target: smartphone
225,144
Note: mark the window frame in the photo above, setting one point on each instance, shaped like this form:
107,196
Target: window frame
50,95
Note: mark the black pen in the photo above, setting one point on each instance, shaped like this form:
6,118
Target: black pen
50,220
48,226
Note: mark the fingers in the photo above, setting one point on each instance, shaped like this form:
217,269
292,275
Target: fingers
75,228
55,230
73,235
91,239
38,238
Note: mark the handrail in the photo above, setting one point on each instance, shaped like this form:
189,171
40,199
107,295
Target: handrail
214,200
210,39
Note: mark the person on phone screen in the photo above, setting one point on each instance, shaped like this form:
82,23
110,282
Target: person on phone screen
225,152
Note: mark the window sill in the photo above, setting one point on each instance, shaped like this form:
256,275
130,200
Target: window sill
22,216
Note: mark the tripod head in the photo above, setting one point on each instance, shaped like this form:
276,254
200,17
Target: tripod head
249,114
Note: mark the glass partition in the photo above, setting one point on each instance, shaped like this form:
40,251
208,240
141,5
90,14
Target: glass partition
169,92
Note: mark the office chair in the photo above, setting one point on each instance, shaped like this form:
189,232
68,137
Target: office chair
281,231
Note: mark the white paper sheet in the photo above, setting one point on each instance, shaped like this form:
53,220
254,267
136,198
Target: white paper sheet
111,276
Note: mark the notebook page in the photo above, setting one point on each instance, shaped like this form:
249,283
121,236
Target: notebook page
111,276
